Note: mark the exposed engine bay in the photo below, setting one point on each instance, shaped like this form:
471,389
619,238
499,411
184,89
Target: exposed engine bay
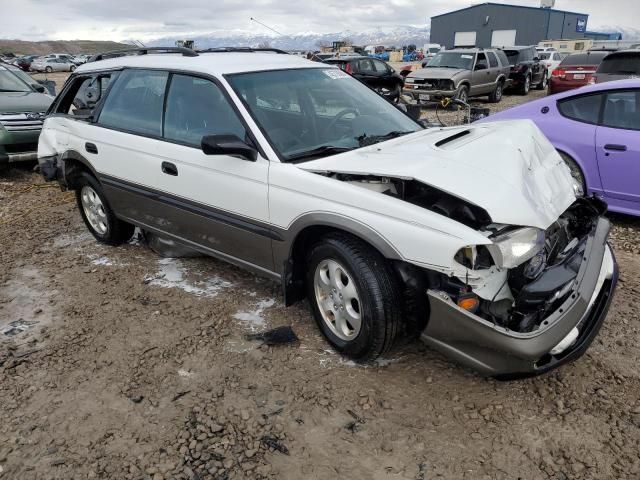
422,195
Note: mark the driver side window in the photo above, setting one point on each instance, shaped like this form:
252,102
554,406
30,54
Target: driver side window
482,60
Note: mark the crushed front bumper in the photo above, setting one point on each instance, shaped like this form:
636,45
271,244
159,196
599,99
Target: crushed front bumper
432,93
495,351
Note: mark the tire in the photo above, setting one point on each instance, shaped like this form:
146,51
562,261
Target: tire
463,93
48,69
543,83
576,171
371,294
72,68
526,86
496,95
397,93
97,213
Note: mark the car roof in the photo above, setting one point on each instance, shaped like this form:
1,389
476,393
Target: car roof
517,47
214,63
348,58
623,52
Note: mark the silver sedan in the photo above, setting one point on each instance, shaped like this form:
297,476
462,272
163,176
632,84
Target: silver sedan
52,65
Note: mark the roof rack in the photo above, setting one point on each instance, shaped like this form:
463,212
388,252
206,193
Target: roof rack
241,50
186,52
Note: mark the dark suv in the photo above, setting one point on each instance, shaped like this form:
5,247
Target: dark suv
526,69
375,73
619,65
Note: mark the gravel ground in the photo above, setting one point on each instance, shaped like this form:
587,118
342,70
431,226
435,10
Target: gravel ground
116,363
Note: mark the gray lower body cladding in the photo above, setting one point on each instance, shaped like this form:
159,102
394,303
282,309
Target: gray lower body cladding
495,351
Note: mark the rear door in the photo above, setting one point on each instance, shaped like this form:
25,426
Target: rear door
618,145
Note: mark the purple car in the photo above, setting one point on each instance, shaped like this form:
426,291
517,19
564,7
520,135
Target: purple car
596,130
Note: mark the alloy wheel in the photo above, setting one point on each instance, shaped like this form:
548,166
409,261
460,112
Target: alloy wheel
94,210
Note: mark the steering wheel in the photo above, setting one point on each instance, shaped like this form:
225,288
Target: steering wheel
337,118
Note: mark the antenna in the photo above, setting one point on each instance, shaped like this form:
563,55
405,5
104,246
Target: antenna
267,26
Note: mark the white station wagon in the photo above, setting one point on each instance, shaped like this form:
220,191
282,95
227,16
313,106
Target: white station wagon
469,236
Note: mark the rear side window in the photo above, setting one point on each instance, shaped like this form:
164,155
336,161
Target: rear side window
583,59
365,65
379,66
493,60
503,58
135,102
584,109
197,107
621,64
622,110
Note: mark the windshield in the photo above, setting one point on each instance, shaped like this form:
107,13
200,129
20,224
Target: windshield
544,55
452,60
315,112
621,64
9,82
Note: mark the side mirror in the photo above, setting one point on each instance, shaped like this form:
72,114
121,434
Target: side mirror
481,66
228,145
39,88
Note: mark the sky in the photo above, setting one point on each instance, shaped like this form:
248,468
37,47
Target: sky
150,19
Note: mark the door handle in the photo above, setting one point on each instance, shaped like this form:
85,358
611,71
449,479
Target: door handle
169,168
617,148
91,147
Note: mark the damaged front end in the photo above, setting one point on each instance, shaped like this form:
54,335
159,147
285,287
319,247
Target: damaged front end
539,297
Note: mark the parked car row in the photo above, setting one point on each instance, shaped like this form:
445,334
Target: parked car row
57,62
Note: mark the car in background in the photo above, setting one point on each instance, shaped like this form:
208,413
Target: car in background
460,74
545,49
550,60
374,73
48,65
596,130
526,69
619,65
24,63
575,71
23,104
431,49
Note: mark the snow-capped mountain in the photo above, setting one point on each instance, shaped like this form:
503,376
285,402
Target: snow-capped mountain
393,36
628,33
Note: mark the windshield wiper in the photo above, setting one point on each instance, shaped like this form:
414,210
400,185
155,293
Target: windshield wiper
323,150
365,140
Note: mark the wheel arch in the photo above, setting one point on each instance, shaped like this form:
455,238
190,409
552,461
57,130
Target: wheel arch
289,255
575,159
72,164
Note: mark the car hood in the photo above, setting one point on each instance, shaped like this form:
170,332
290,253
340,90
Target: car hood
437,73
508,168
17,102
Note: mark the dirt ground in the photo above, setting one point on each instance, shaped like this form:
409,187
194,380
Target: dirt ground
118,364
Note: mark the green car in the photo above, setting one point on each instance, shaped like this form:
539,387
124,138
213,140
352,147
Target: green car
23,103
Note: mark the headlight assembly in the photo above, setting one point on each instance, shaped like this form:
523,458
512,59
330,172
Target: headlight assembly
516,247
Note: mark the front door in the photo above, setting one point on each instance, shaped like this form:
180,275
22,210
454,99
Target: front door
482,80
618,146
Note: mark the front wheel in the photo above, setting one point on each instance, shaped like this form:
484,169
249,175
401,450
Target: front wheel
97,213
576,173
72,68
354,296
48,69
463,94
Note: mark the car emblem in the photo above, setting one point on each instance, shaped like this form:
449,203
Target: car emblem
34,116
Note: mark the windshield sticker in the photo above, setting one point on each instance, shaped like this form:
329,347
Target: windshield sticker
466,56
335,74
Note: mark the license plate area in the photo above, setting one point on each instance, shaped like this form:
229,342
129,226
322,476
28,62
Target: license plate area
578,76
424,96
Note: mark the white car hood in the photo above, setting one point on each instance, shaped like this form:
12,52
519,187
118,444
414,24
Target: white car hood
508,168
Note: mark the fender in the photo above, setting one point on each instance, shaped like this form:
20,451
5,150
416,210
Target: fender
61,166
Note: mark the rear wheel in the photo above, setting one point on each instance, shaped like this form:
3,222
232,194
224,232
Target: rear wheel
97,213
496,95
526,86
354,296
72,68
543,83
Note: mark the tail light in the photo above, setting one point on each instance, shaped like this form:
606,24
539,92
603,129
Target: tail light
347,68
592,80
559,73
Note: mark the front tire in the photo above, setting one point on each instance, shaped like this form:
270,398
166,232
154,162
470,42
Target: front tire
463,94
48,69
72,68
576,171
97,213
354,296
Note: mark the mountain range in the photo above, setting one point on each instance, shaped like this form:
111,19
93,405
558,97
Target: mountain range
394,36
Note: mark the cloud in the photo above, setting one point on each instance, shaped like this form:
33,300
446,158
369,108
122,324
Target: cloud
149,19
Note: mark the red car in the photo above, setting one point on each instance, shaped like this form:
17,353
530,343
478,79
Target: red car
575,71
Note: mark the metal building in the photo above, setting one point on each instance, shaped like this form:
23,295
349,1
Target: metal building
496,24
